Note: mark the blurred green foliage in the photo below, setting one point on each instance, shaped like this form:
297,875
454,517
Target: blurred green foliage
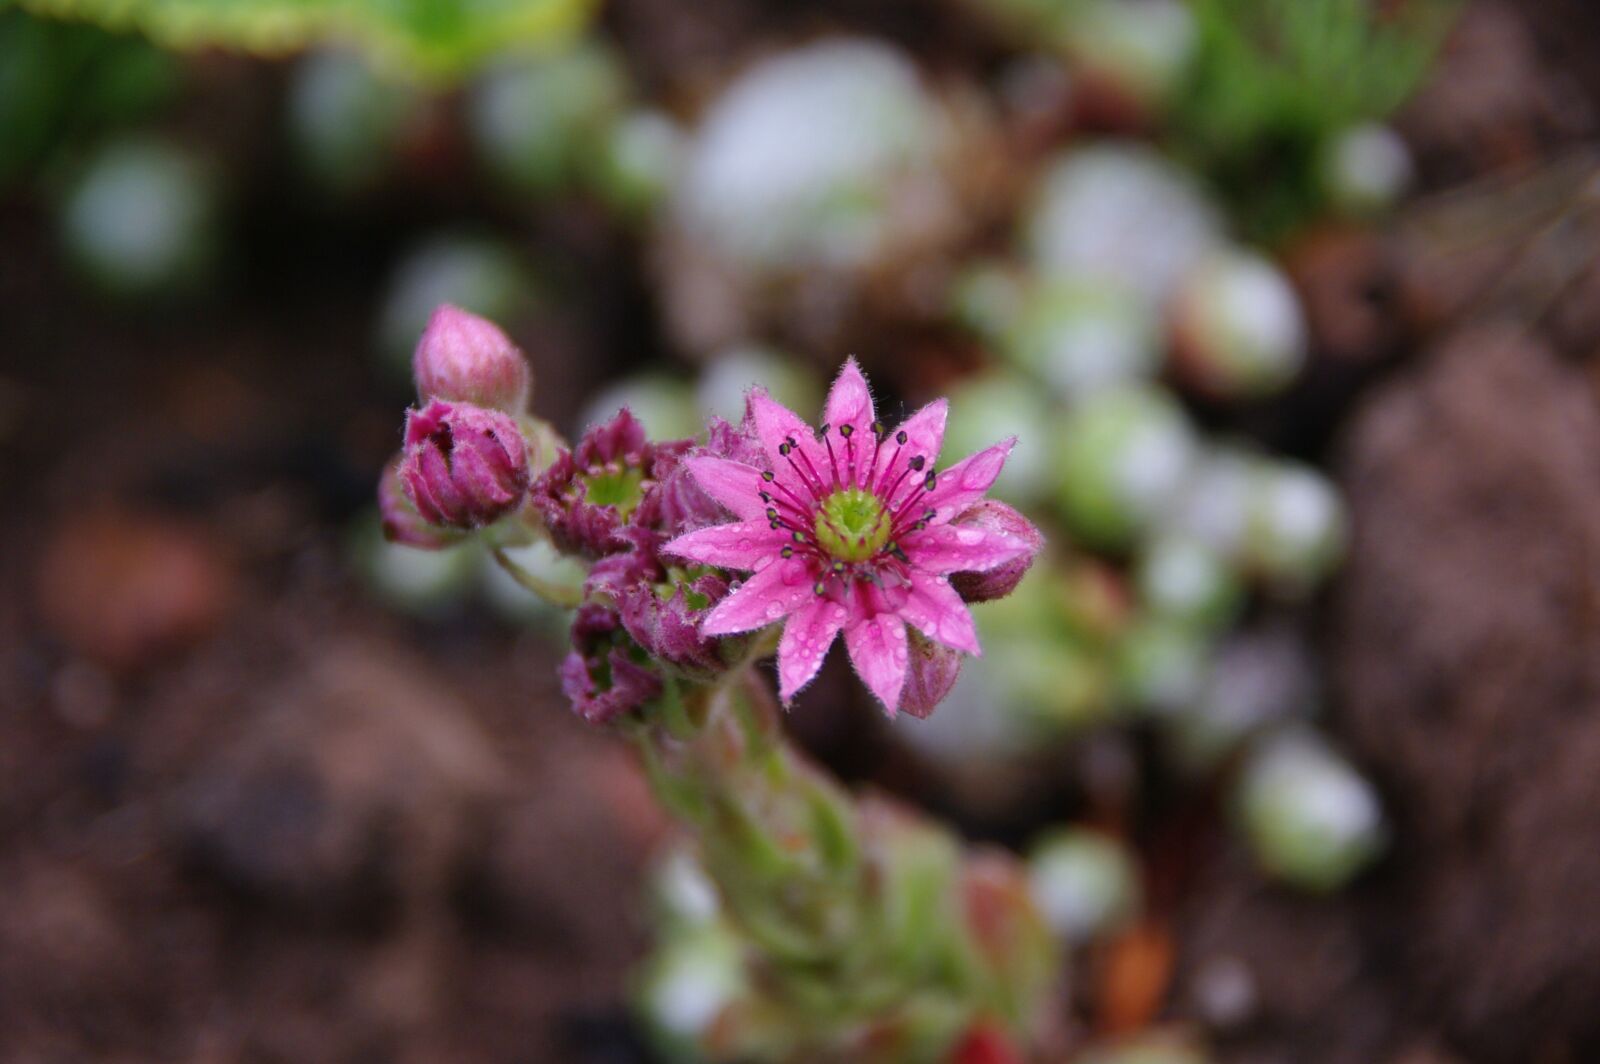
1275,80
63,84
433,38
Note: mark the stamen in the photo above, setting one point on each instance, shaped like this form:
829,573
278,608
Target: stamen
815,483
786,552
833,460
930,480
799,505
767,475
917,462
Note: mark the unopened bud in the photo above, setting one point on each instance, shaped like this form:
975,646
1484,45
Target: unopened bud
402,523
933,671
463,358
993,516
464,466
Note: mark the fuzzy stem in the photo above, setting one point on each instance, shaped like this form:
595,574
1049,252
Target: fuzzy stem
868,932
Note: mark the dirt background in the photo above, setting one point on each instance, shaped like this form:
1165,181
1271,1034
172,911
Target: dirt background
249,814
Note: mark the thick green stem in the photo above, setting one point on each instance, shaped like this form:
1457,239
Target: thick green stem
864,925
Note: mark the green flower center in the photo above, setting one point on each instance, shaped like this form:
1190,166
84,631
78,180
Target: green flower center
852,525
622,488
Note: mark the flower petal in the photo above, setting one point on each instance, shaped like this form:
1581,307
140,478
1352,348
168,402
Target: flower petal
734,484
772,593
776,425
877,648
935,609
738,546
808,634
965,482
924,436
961,549
849,400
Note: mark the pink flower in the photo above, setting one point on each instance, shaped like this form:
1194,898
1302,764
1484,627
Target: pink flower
463,358
463,466
848,530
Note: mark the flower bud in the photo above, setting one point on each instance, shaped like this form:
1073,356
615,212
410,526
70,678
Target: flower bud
402,523
933,671
463,358
992,516
464,466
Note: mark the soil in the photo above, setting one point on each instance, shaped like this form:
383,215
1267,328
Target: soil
247,813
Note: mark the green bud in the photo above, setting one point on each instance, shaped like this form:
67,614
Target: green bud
1121,214
1295,528
1081,337
1085,883
992,406
1180,580
140,220
1238,331
1161,666
1310,817
1365,169
1121,458
542,122
345,120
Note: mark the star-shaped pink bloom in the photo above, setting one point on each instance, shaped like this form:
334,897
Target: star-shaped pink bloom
848,530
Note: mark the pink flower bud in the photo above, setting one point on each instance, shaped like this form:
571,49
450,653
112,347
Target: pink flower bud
997,517
932,671
464,467
401,522
463,358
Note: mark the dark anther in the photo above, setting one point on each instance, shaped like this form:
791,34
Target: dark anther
820,589
772,513
846,430
767,475
930,480
775,525
785,447
901,437
878,430
766,496
928,515
786,552
799,537
838,567
918,462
